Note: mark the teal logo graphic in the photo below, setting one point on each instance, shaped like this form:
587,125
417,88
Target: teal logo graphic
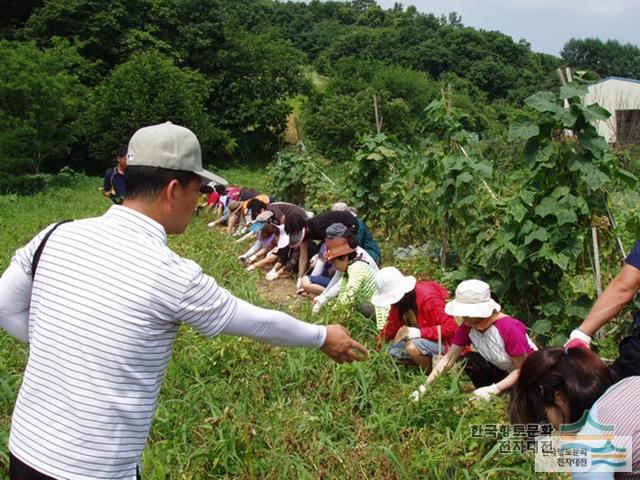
585,446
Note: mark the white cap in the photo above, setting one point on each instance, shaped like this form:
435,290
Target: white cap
169,146
473,299
392,285
343,207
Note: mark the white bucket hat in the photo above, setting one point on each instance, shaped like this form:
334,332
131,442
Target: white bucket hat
392,285
169,146
473,299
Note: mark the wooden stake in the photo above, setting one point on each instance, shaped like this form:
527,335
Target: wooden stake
563,82
298,134
378,120
614,226
596,261
596,268
444,251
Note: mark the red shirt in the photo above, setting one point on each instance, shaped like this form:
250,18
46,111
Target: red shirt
430,300
233,193
213,198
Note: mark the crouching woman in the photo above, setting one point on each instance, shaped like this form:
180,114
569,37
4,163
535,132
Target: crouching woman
501,342
417,327
357,285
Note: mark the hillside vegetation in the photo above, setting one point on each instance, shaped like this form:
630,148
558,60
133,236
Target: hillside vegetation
235,408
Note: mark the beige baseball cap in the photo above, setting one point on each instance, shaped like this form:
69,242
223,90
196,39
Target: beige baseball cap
169,146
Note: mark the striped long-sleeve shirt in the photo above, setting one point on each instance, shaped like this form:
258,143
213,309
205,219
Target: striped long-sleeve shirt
106,304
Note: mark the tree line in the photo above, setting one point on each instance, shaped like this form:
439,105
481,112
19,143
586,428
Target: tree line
79,76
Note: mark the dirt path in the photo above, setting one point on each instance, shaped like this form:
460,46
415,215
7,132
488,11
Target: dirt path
281,292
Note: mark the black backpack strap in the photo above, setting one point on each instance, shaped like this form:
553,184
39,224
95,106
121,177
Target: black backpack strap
36,256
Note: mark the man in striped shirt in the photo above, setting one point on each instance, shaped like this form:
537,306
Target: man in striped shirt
92,381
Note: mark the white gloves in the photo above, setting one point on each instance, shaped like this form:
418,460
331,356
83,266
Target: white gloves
416,394
486,393
318,302
578,339
272,274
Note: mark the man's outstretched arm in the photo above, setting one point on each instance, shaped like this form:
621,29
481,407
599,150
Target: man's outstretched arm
279,328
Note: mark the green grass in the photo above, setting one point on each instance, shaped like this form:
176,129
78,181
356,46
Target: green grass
235,408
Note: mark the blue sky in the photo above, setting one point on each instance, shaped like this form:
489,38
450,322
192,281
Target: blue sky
546,24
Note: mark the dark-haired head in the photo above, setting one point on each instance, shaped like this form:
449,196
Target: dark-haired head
220,189
407,302
255,207
294,223
148,182
268,230
351,239
557,386
122,151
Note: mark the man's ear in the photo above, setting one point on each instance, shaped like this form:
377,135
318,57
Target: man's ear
172,191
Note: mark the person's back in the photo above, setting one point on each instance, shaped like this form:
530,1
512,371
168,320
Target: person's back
318,224
102,313
106,298
366,241
358,286
284,209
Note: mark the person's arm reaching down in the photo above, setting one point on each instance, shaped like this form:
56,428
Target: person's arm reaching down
618,293
279,328
486,393
331,291
445,363
303,260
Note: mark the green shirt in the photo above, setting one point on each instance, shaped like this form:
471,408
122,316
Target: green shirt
358,285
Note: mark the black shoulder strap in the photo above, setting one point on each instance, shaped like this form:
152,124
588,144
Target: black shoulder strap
36,256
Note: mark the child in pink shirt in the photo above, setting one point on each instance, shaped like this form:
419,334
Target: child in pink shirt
501,342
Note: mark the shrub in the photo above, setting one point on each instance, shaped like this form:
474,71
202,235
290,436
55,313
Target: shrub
299,178
146,90
42,107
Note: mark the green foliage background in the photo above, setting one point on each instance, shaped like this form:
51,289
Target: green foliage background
473,164
234,408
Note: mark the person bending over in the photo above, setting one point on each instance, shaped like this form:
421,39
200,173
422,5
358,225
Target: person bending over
501,342
100,345
418,327
358,281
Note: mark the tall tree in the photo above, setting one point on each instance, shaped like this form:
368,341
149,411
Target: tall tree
610,58
15,14
150,89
